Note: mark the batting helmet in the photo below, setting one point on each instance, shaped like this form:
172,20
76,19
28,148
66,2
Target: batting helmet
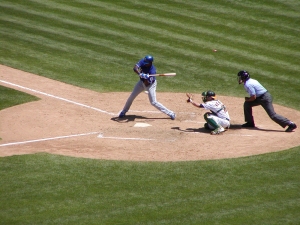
148,59
208,93
243,75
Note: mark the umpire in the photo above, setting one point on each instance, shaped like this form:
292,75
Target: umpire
260,96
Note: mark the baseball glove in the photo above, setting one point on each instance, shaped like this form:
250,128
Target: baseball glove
189,97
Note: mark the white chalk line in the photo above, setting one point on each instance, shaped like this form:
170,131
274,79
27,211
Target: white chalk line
48,139
242,135
192,121
73,102
69,136
155,112
138,139
74,135
121,138
86,106
224,133
53,96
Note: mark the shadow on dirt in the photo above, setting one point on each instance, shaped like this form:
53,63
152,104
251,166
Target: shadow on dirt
195,130
131,118
238,126
232,127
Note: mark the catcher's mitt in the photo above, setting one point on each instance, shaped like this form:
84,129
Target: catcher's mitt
189,97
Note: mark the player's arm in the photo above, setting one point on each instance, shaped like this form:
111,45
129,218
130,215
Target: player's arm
196,104
252,93
250,99
137,69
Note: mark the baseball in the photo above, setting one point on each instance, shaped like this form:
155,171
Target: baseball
215,50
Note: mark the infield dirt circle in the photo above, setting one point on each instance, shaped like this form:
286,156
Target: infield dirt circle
73,121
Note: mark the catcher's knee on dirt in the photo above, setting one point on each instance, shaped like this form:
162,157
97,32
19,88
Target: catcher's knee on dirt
210,120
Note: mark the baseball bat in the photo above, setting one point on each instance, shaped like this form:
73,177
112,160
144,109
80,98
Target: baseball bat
162,74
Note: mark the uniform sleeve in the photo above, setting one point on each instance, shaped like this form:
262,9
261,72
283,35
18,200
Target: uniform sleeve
140,63
251,90
210,105
205,106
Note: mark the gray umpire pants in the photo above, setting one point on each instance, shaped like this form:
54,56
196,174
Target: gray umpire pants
266,102
139,88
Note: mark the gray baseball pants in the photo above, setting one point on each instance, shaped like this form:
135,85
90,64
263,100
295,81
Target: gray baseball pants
266,102
139,88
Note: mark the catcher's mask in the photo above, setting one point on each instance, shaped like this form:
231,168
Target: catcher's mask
208,94
243,75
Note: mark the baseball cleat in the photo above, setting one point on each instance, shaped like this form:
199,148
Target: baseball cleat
291,127
122,114
248,124
173,116
218,131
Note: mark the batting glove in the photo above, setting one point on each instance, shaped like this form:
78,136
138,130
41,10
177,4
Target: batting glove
144,76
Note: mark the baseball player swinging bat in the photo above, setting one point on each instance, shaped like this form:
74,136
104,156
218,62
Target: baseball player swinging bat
162,74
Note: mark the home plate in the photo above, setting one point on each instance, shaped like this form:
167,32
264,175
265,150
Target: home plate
142,125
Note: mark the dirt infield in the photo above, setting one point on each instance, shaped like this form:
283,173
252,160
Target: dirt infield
73,121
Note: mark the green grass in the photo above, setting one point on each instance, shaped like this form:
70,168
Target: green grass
50,189
10,97
94,44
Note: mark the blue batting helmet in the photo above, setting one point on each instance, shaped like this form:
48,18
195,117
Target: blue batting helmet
148,59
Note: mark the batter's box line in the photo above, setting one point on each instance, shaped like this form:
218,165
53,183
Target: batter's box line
156,112
134,139
48,139
193,121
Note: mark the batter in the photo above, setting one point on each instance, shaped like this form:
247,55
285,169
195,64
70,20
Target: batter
144,68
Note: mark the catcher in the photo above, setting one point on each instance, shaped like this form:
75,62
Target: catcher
218,118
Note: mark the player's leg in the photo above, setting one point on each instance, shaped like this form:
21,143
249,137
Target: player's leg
267,104
224,123
248,113
152,99
212,121
138,88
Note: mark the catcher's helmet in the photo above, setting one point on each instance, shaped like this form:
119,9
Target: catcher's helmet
148,59
208,93
243,75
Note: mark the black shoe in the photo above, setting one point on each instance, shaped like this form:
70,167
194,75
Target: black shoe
122,114
291,127
206,126
248,124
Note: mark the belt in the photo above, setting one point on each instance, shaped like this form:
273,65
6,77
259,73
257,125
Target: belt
146,82
262,95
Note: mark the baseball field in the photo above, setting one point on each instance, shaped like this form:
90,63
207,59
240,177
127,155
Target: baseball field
66,72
